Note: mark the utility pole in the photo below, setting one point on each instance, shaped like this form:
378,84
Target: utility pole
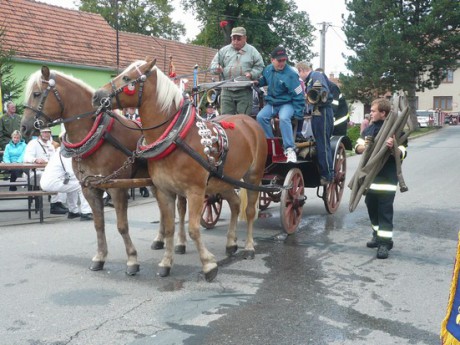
322,53
117,29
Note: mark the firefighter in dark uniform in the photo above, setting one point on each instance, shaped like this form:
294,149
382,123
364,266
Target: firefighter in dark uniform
340,109
381,194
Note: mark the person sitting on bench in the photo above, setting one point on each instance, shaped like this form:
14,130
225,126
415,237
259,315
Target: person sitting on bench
284,97
40,150
14,153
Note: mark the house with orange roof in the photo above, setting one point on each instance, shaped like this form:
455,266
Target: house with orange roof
84,45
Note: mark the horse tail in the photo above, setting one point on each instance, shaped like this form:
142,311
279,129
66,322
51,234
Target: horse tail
244,204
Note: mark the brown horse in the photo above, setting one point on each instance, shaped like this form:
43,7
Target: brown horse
237,152
100,145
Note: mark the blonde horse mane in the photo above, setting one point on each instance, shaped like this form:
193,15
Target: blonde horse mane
168,94
35,79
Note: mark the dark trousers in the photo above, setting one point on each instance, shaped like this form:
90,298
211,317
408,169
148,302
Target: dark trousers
380,209
236,101
322,127
14,174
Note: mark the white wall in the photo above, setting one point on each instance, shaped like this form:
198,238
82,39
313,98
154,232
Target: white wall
425,99
356,111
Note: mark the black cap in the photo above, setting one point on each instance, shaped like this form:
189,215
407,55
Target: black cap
279,53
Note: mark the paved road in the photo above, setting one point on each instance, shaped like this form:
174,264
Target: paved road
320,286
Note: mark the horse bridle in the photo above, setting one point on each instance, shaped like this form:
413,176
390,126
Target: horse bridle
125,88
38,123
105,102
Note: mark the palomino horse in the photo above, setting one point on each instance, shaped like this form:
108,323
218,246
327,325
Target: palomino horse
100,145
233,147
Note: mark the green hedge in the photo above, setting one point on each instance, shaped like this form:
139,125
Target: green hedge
353,133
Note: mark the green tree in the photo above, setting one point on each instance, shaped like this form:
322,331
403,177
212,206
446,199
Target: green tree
147,17
11,88
268,23
400,44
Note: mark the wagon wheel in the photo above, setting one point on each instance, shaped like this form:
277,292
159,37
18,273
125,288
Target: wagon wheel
292,200
210,213
264,200
332,194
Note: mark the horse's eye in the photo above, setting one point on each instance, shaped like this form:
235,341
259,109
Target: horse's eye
37,94
126,79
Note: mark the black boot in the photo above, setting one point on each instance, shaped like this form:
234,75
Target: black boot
373,242
384,249
144,192
58,208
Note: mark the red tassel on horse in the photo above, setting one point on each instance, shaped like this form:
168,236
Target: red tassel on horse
227,125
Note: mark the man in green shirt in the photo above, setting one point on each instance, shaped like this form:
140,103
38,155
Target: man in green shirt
237,60
9,123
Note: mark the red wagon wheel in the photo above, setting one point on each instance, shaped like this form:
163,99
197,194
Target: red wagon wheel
264,200
212,206
332,194
292,201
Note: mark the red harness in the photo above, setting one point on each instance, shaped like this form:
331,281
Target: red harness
98,144
181,135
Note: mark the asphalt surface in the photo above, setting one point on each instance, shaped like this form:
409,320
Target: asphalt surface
319,286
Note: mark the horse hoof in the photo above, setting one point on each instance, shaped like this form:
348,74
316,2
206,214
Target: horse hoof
132,270
179,249
157,245
164,271
231,250
209,276
97,265
249,254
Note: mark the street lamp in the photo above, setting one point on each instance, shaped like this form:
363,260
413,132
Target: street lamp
117,27
164,51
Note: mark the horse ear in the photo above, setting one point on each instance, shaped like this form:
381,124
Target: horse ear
151,63
45,72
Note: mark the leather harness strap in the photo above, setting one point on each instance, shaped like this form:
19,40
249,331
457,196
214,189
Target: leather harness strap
218,173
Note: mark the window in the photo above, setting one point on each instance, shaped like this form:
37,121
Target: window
442,102
449,77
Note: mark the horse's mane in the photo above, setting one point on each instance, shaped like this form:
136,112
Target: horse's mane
36,80
167,91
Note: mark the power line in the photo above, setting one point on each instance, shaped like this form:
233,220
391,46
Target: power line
337,34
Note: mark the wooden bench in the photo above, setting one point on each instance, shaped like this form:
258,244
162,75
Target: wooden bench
30,195
20,182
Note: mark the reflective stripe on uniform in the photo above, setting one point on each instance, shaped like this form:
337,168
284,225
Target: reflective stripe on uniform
385,234
335,102
383,187
341,120
375,227
403,151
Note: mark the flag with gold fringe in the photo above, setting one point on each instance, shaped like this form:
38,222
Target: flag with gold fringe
450,326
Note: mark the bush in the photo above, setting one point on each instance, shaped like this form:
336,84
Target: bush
353,133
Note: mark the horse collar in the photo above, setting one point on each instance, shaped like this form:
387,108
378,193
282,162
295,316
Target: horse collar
165,144
94,139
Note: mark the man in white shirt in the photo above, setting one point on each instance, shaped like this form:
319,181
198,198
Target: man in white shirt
59,177
40,150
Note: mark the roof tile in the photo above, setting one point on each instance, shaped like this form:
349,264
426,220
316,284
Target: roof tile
42,32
